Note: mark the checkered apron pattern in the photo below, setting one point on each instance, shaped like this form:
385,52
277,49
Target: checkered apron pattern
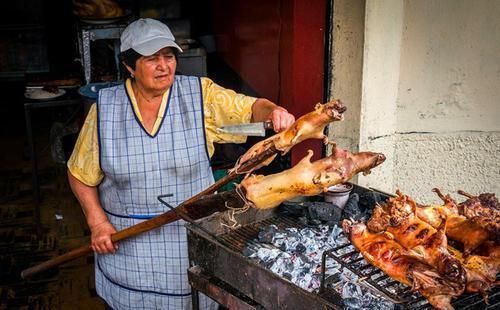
149,271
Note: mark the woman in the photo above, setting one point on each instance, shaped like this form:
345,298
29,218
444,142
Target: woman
152,135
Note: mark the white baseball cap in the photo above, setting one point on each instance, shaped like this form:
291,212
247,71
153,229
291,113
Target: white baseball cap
147,36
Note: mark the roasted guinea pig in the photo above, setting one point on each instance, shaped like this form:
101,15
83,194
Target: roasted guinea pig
483,210
306,178
398,218
481,271
308,126
458,227
380,250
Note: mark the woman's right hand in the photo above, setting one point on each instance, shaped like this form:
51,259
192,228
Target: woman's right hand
101,238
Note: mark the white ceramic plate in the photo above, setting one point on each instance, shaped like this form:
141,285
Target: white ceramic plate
40,94
100,21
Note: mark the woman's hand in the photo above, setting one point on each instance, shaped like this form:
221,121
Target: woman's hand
101,238
281,119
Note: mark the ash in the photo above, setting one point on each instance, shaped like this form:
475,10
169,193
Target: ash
296,253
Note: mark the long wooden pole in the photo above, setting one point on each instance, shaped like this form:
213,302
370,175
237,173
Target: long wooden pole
160,220
308,126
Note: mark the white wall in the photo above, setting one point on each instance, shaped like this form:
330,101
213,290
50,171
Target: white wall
450,66
347,64
430,95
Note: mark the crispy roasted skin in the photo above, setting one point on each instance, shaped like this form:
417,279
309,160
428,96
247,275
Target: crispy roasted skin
392,258
458,227
490,249
308,126
306,178
483,210
481,271
482,267
424,242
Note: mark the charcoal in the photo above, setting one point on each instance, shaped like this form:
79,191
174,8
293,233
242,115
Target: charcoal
295,254
332,223
314,222
352,296
312,212
248,251
331,279
352,303
358,208
324,229
352,209
305,258
370,301
303,221
336,237
289,241
308,233
267,233
323,211
296,209
369,199
300,248
267,255
359,205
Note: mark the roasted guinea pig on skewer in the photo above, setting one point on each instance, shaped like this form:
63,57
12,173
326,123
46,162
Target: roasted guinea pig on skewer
481,271
483,210
306,178
308,126
425,243
380,250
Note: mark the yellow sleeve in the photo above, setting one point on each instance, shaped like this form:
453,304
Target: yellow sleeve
84,161
223,107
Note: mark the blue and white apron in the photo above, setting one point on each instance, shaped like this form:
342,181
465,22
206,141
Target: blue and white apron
149,271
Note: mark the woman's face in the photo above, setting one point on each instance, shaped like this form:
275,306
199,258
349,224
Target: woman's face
156,72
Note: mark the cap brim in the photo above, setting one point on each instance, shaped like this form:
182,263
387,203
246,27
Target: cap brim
152,46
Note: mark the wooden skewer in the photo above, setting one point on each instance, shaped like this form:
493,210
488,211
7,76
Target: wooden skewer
160,220
321,117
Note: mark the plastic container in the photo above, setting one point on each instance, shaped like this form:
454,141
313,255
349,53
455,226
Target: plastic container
338,194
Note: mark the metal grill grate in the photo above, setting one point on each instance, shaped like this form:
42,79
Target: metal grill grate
370,276
349,257
239,238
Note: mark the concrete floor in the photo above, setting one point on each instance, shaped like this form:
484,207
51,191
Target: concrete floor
70,286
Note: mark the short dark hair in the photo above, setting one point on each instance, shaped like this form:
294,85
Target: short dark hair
129,58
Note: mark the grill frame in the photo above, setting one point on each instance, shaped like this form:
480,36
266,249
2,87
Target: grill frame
222,260
218,251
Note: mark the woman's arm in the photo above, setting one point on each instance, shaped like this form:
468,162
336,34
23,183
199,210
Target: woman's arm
263,110
100,227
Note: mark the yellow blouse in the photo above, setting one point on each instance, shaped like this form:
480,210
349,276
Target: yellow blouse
221,107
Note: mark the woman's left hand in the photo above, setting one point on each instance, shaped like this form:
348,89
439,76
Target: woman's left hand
281,119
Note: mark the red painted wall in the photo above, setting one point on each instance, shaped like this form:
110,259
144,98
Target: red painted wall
277,47
247,35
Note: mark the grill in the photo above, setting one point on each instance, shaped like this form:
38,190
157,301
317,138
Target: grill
217,251
349,257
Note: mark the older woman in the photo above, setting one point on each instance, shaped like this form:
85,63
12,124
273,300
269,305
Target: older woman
152,135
